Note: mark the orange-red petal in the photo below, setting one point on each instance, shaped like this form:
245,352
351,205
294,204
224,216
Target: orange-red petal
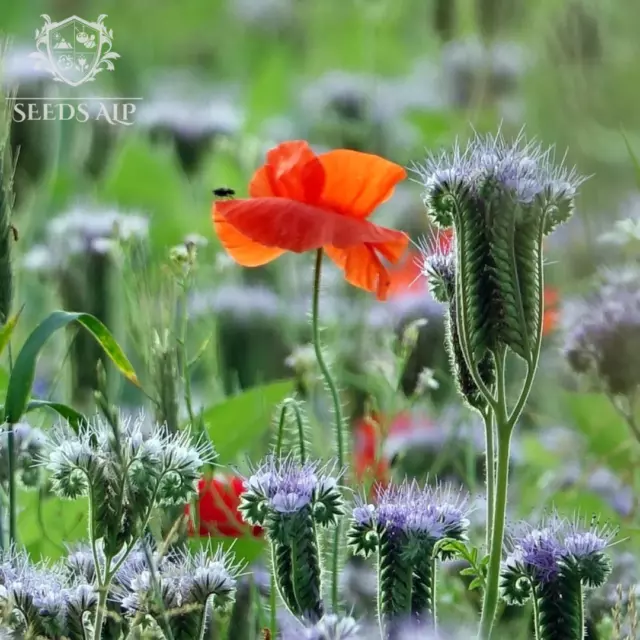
291,171
243,250
363,268
298,227
356,183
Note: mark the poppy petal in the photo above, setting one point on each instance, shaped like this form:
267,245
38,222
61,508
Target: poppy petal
260,185
356,183
298,227
363,268
291,171
243,250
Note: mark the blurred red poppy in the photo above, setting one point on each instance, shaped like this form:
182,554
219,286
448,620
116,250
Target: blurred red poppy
368,463
217,506
407,278
301,201
551,312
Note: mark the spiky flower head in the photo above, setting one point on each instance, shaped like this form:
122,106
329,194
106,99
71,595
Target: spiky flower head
501,199
557,548
281,486
179,591
28,444
289,499
43,601
605,333
137,465
412,513
329,627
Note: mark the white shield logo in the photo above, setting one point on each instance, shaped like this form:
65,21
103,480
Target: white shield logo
74,50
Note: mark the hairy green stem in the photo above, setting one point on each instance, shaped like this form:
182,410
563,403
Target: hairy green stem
11,456
503,428
490,471
290,403
273,606
333,389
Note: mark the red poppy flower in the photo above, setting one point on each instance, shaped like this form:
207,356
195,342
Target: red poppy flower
218,502
551,313
301,201
407,277
368,462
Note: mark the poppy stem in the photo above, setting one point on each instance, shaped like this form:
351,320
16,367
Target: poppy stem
337,409
326,373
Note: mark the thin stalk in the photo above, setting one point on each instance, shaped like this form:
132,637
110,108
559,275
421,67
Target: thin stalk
11,444
333,389
290,403
504,429
490,471
434,594
536,615
583,627
12,483
273,606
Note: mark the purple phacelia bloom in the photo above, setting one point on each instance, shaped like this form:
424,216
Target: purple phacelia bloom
542,553
287,485
411,509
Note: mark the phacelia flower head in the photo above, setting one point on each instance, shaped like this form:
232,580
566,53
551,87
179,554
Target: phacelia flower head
283,486
47,599
501,200
409,511
605,333
140,464
556,550
181,586
28,446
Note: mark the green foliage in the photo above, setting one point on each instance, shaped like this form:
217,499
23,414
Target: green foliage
23,373
241,425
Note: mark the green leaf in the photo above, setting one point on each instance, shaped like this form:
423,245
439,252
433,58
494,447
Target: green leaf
476,584
469,571
47,523
23,374
73,417
239,423
606,433
7,330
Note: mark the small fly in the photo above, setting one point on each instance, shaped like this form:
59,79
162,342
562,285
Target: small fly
224,192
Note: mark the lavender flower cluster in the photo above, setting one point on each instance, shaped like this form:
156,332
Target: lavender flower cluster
432,512
558,548
286,487
177,593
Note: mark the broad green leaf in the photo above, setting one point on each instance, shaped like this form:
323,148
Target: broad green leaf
607,435
47,523
23,374
7,330
238,424
73,417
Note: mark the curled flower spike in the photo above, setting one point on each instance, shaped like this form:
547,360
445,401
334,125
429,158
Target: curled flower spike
404,527
289,500
301,201
553,564
125,472
501,199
